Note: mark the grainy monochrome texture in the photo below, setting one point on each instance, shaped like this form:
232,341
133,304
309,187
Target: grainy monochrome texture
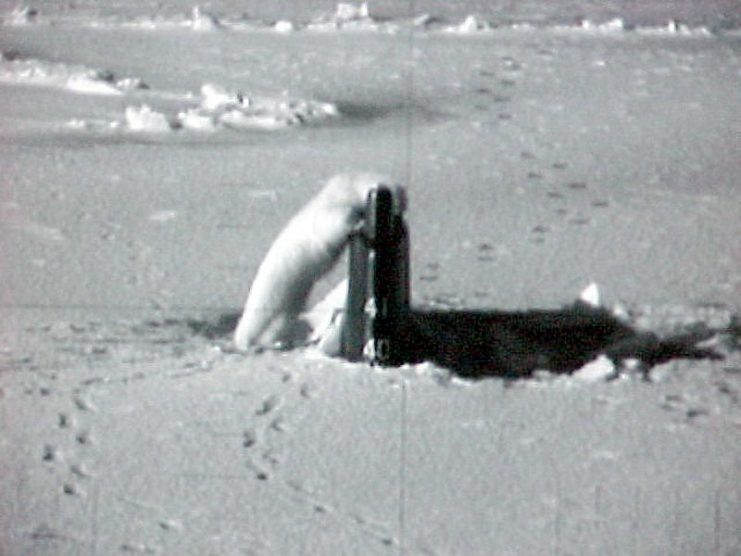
152,152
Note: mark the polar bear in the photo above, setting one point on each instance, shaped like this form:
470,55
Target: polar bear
303,252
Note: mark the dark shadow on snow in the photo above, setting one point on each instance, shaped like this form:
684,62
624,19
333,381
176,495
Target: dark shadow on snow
363,113
480,344
213,330
356,113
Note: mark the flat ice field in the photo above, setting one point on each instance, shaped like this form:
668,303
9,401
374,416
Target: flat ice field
150,157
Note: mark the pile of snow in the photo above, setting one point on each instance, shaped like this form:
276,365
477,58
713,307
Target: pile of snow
470,25
233,109
349,12
590,295
346,16
221,108
197,20
21,15
599,370
674,28
75,78
144,119
284,26
612,26
618,26
203,21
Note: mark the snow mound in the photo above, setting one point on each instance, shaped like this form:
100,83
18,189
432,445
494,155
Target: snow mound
197,120
611,26
349,12
218,108
144,119
470,25
617,26
674,28
590,295
222,107
284,26
215,97
203,21
197,20
21,15
599,370
347,16
73,78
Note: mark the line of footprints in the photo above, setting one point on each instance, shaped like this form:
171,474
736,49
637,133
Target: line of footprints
273,422
76,471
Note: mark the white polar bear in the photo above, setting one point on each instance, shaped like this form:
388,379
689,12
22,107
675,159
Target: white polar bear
303,252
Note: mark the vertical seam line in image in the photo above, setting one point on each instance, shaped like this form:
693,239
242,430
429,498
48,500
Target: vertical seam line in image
408,182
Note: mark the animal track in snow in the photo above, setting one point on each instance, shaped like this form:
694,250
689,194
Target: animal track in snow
249,438
50,453
64,421
430,272
344,518
580,221
688,406
306,391
268,404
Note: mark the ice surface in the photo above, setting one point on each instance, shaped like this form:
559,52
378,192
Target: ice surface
538,156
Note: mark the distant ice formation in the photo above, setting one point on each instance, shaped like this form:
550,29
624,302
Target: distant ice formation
22,15
217,107
346,16
145,119
203,21
222,107
353,17
470,25
70,77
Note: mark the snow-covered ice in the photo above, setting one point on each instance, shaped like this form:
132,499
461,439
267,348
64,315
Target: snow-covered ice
550,146
72,77
143,118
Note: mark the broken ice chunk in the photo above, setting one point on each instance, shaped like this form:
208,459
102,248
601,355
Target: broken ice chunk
471,24
215,97
237,119
145,119
590,295
598,370
203,21
196,119
349,12
283,26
